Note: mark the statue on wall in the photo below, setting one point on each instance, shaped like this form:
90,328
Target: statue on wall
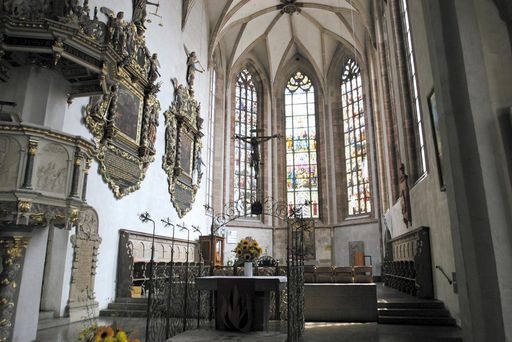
192,61
140,13
154,64
405,202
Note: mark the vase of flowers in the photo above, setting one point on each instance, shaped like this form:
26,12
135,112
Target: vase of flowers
247,251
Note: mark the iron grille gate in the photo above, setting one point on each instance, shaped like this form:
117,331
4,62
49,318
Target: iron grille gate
175,305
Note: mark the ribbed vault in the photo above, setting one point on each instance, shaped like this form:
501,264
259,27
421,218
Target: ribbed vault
275,30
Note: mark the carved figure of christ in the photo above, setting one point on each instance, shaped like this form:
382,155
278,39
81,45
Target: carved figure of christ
255,141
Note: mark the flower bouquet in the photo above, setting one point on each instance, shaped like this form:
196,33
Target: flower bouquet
247,250
96,333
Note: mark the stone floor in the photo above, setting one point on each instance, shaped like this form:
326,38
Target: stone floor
321,332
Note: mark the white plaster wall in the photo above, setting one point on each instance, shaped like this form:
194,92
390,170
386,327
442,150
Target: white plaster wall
168,41
27,308
263,236
369,233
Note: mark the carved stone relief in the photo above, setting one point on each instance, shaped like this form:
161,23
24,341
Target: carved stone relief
52,170
9,161
86,242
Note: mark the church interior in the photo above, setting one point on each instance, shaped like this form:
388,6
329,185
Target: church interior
279,170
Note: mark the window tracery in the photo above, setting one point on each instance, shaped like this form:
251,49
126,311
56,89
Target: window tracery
301,145
354,133
246,124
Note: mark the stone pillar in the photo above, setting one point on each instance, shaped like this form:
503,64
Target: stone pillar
76,173
29,167
479,213
13,252
390,121
88,162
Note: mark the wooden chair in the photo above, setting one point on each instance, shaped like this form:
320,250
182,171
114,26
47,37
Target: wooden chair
343,274
324,274
363,274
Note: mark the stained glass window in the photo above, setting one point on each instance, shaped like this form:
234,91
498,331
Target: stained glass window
354,132
413,82
301,143
246,123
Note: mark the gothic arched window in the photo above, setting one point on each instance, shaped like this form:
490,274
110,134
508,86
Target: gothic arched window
354,133
246,124
301,144
415,97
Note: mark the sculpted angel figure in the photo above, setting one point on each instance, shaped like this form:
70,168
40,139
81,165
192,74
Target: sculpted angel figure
140,13
116,25
192,61
154,64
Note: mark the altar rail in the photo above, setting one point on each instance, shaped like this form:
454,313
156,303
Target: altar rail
409,268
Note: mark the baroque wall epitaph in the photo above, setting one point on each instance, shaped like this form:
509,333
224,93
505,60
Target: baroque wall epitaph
182,160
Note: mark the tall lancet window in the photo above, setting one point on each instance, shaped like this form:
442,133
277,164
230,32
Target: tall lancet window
413,82
301,143
354,132
246,123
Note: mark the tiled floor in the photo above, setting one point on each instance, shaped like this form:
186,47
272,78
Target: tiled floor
321,332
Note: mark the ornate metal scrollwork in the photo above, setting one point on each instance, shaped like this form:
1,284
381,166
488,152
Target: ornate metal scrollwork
182,160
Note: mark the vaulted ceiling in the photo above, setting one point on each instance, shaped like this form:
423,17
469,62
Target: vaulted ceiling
276,30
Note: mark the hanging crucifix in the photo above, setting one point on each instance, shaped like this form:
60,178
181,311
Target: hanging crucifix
255,141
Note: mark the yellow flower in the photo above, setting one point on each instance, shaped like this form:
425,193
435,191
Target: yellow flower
104,332
121,336
245,242
110,339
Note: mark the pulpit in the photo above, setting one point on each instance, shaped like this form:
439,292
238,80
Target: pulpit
241,303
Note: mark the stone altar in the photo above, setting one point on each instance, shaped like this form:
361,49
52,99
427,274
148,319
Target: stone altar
242,303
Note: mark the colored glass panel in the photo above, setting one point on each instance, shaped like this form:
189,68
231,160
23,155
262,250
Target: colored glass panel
354,130
301,158
246,123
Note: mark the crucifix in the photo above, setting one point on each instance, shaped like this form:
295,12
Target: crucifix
255,142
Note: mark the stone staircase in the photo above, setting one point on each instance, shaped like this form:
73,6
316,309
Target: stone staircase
414,312
47,320
126,307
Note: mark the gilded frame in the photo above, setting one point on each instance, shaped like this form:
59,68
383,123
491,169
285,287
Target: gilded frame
182,160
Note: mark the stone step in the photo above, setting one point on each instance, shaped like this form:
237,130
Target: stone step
127,306
45,315
413,312
131,300
122,313
417,304
446,321
52,323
